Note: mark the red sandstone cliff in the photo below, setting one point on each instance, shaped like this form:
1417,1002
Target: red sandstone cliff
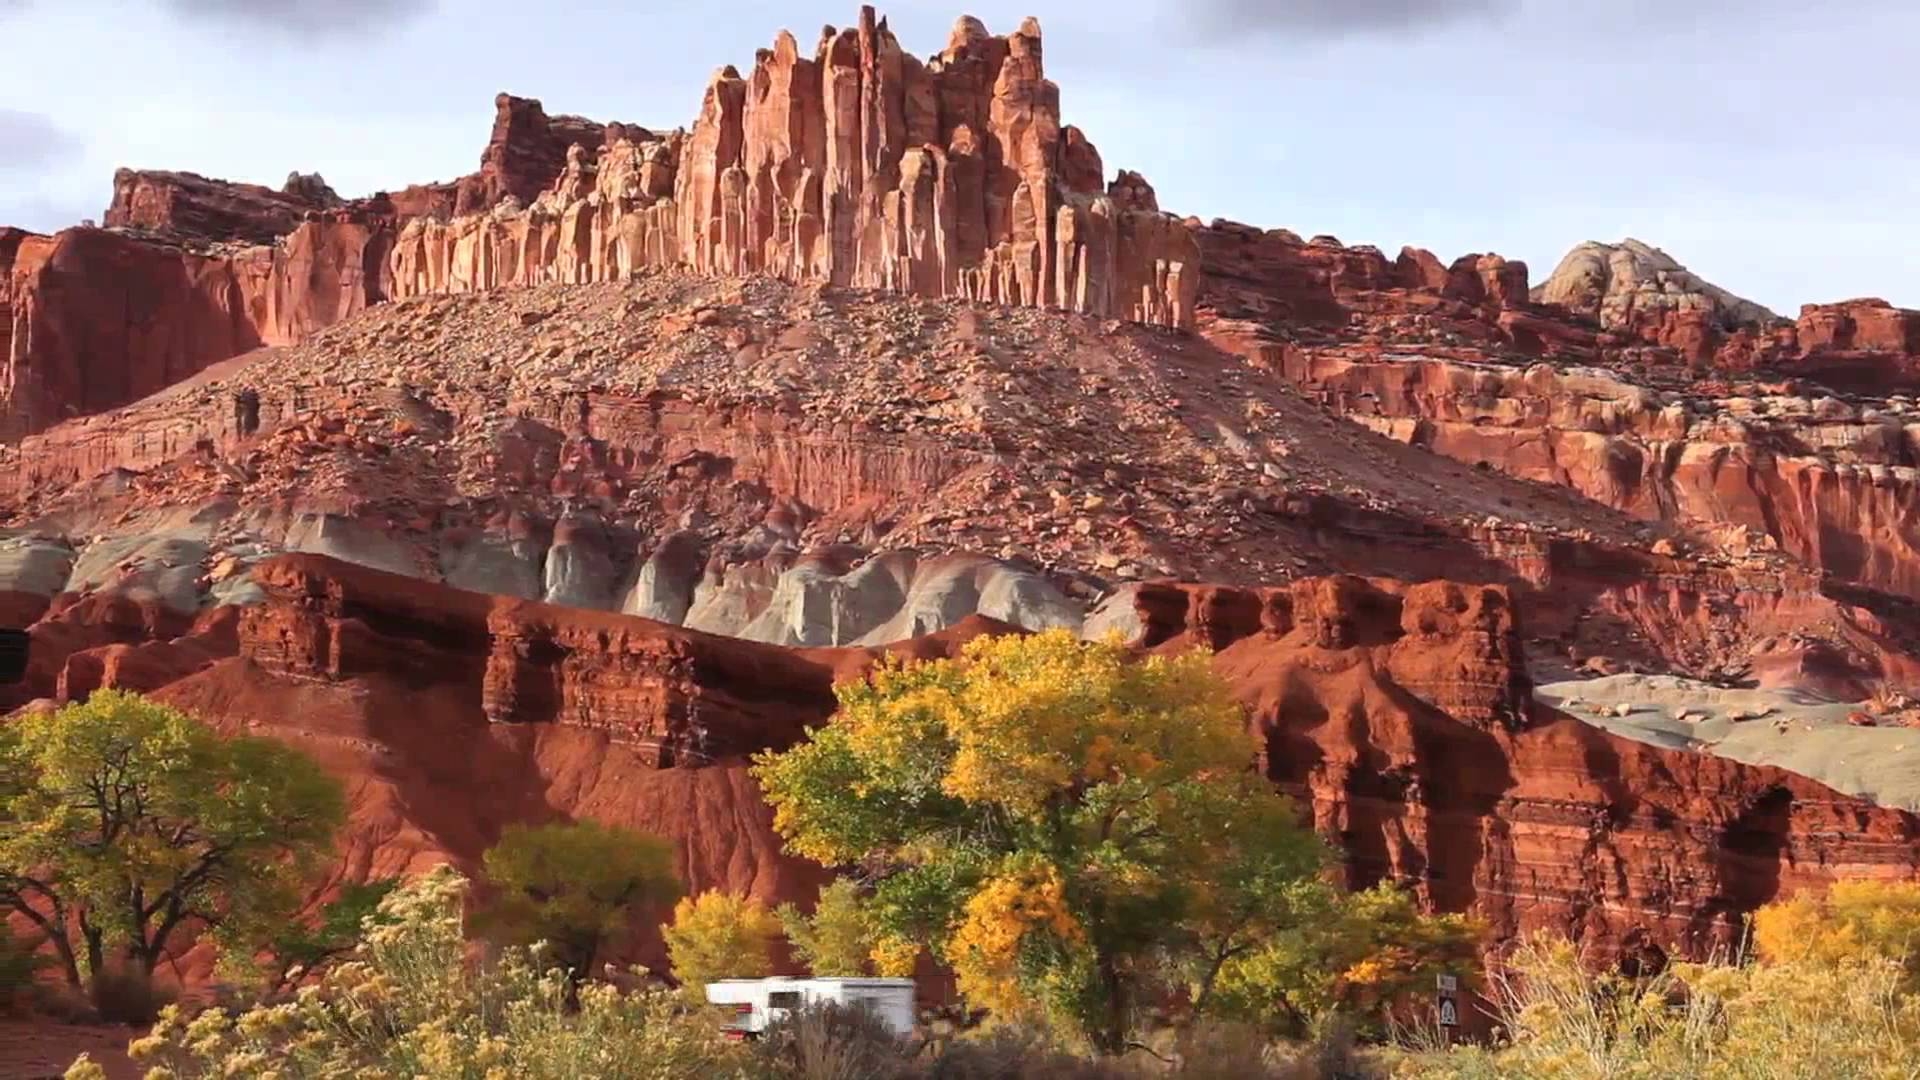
191,271
860,166
1397,714
91,319
191,206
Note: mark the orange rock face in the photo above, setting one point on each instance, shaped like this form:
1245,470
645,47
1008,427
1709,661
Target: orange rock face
861,166
91,319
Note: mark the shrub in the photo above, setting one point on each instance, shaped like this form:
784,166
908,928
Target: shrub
407,1003
575,886
1357,956
832,1042
1712,1021
20,966
1011,1051
1855,920
841,939
125,994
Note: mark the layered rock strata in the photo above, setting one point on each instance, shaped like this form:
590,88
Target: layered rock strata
1832,482
1397,715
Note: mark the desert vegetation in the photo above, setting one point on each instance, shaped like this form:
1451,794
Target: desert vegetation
124,823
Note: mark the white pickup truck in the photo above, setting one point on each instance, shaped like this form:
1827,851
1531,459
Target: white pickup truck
756,1003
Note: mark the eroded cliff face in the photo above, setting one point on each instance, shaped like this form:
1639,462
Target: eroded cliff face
189,271
1764,466
93,319
1398,715
860,166
1630,307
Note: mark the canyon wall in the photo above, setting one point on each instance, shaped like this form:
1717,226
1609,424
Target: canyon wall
190,271
1833,483
1397,715
861,166
92,319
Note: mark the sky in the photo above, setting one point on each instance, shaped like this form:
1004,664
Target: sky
1769,145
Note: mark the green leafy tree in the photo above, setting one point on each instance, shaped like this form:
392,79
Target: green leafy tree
840,938
1073,829
717,935
1358,954
576,886
300,949
123,820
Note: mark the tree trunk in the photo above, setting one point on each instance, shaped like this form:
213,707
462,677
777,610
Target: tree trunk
96,951
1112,1038
69,963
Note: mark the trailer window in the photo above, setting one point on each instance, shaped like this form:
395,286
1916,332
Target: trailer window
783,999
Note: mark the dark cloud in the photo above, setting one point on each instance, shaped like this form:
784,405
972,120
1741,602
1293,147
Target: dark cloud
304,16
1222,19
32,142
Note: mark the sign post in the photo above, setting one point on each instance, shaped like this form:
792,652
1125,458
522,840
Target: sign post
1448,989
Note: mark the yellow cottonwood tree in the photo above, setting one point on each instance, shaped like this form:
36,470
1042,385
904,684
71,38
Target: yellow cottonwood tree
1066,824
717,935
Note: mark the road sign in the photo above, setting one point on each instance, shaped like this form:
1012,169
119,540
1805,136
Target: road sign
1449,1013
1447,983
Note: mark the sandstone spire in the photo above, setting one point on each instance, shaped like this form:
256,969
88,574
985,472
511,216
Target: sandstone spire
861,166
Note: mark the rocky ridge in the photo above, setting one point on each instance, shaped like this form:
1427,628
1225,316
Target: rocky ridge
191,271
861,166
1636,286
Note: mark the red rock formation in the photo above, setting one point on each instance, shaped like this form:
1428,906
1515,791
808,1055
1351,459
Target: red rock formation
527,150
150,665
1398,715
1827,482
861,166
91,319
74,625
189,205
96,320
192,271
1286,287
1866,325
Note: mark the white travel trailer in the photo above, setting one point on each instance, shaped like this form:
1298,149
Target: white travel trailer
759,1002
